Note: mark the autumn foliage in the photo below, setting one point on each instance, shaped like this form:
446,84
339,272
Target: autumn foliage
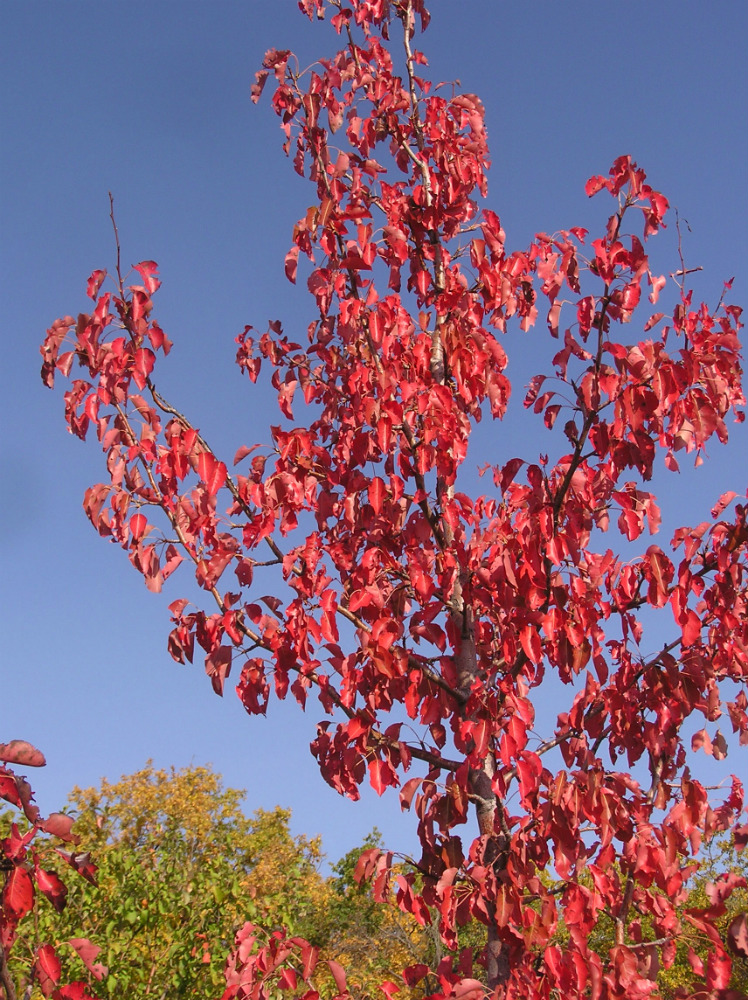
27,874
345,559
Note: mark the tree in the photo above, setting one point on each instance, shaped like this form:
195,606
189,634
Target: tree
430,622
179,870
28,873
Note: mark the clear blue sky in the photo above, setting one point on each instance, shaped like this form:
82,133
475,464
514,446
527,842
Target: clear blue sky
151,101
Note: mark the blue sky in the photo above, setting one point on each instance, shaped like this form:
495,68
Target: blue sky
151,101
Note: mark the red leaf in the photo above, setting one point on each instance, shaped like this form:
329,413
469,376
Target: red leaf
145,359
9,789
737,935
653,321
529,769
173,559
47,968
659,572
138,525
158,338
723,502
81,862
531,643
288,980
740,833
308,958
25,796
218,667
87,953
554,314
328,623
15,847
381,775
338,975
376,494
408,791
148,270
701,739
509,471
94,283
292,263
243,452
468,989
23,753
718,969
18,895
73,991
532,391
595,184
211,471
53,888
413,974
258,86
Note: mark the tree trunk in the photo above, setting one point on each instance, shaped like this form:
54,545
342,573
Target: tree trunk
495,856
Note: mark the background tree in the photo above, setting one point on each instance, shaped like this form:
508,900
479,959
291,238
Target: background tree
180,868
434,626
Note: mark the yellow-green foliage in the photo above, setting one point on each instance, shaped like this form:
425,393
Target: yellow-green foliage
179,869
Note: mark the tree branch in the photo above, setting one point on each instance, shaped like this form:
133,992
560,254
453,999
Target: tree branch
5,981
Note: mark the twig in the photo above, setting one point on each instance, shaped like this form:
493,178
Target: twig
116,241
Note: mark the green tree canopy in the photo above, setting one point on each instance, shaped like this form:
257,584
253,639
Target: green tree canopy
180,867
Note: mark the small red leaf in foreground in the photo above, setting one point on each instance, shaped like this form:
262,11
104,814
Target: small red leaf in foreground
94,283
60,825
469,989
292,263
87,953
18,895
53,888
81,862
211,471
338,975
47,968
148,270
145,359
138,524
218,667
73,991
737,935
723,502
23,753
376,494
243,452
